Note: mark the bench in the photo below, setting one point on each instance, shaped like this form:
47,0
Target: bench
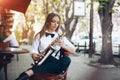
85,48
82,48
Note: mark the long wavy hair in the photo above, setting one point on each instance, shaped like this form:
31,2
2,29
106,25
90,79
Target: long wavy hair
47,23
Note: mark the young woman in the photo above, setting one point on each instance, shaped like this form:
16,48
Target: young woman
57,62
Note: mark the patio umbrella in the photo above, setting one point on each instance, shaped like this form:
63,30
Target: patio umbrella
17,5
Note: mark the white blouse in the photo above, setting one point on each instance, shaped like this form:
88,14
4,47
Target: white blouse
40,44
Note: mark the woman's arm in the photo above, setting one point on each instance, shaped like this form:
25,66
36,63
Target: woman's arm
69,49
34,49
66,45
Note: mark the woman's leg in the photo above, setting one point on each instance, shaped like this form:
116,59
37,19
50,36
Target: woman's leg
65,62
35,69
57,66
25,75
51,65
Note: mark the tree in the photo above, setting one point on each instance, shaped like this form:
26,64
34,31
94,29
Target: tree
91,44
68,19
105,15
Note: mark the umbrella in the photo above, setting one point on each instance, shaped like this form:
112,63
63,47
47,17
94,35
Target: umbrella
17,5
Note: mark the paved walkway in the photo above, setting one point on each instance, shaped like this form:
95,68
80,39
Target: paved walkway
78,70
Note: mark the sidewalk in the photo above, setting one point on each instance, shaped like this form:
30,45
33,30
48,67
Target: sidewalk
81,70
78,70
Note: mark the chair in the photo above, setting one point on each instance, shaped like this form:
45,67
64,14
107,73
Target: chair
3,64
3,45
47,76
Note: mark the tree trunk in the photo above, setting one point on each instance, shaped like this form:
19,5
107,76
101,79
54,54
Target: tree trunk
69,28
106,26
91,46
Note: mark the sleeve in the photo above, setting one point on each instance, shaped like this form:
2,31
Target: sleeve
7,39
35,45
68,43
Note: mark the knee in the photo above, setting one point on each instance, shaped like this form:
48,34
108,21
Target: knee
67,61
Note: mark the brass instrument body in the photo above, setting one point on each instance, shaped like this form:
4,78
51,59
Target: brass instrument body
46,53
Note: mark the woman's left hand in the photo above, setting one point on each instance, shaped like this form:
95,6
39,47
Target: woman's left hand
59,42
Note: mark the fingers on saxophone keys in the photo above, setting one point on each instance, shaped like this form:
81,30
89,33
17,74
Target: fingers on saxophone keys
40,56
36,57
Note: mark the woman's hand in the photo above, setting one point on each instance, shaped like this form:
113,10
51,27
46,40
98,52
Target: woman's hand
59,42
65,47
35,56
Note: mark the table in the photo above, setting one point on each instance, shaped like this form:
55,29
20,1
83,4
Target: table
10,51
13,51
17,51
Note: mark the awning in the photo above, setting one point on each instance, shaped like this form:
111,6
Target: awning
17,5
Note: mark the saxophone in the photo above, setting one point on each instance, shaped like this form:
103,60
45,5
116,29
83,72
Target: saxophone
46,53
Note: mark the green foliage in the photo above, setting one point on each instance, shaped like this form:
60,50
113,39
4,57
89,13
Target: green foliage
89,4
95,0
118,3
111,11
56,1
102,3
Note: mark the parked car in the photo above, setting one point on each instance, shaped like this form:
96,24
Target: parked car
116,44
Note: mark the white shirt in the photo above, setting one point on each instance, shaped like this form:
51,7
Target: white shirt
12,41
43,42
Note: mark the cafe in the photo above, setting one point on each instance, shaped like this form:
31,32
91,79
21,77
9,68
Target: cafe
6,23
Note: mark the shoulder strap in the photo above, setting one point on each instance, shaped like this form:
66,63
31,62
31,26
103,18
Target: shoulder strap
39,45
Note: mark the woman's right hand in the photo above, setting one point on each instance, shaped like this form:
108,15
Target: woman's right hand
35,56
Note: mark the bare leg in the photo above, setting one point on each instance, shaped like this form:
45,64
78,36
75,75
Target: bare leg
29,72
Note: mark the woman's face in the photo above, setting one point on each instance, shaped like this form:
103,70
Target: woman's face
54,24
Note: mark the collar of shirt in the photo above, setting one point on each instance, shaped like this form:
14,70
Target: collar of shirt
50,32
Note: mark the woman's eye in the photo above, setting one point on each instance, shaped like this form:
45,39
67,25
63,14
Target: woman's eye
53,21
